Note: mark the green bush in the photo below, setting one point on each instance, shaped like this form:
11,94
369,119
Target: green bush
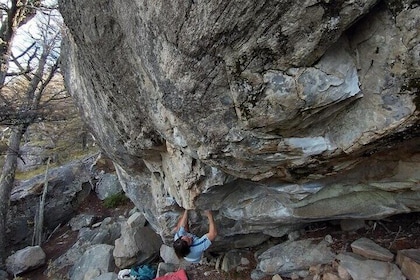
115,200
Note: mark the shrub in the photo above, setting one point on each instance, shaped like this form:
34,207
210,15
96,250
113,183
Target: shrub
115,200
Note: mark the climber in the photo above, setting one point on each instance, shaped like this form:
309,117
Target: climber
189,246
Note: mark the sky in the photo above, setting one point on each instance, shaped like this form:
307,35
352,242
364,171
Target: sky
30,32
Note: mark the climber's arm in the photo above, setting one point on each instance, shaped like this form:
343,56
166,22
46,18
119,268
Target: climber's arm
183,221
211,235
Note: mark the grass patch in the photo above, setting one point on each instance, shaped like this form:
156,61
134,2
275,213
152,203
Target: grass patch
31,173
115,200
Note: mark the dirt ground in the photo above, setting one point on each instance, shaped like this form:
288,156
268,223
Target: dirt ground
395,233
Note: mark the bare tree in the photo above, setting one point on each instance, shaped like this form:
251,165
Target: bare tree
14,13
34,68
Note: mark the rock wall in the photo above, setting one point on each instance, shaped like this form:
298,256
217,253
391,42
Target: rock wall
271,113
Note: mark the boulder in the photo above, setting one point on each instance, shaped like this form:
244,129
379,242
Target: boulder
108,231
292,257
361,268
25,260
82,220
137,244
168,255
409,262
96,260
68,186
235,260
32,157
270,113
352,225
369,249
136,220
107,185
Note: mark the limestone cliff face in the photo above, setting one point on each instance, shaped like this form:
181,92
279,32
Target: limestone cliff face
271,113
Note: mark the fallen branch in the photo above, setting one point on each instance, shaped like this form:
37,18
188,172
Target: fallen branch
56,228
387,230
396,236
39,224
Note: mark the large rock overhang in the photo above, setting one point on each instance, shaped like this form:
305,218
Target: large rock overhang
272,113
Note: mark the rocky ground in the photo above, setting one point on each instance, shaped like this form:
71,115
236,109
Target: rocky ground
394,233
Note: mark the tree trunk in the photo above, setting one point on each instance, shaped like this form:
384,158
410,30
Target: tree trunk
7,179
7,31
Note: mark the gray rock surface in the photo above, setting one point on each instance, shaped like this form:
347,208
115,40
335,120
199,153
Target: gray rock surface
292,257
137,244
107,276
107,185
369,249
25,260
68,186
168,255
96,260
106,233
361,269
32,156
352,225
409,262
3,274
269,112
235,260
82,220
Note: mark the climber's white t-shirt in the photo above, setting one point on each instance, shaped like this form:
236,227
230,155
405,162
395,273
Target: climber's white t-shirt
198,246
